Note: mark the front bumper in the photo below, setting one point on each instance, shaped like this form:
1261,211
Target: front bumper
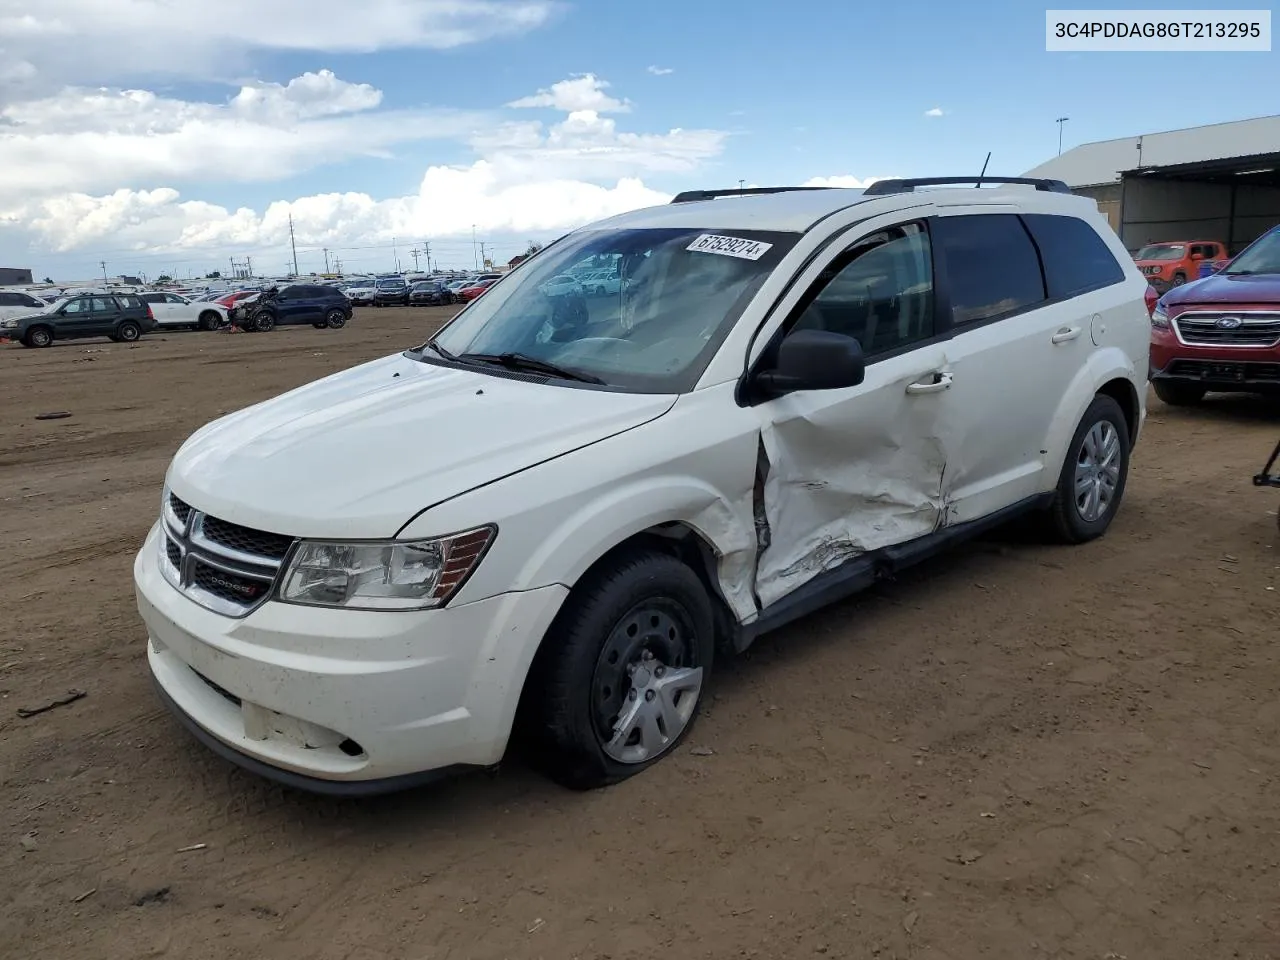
344,701
1220,369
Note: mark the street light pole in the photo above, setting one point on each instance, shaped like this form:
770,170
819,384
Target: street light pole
1060,121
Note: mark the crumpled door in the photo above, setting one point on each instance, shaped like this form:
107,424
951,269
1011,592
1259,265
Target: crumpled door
846,472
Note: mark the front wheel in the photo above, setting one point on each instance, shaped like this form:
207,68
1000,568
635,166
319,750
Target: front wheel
262,321
622,670
1094,472
1179,279
335,320
1179,394
38,337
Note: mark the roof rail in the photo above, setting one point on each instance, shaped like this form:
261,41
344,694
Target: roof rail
691,196
883,188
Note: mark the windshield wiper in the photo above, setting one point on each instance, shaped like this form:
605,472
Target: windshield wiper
522,361
439,349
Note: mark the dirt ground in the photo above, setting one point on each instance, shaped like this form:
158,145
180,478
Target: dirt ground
1016,752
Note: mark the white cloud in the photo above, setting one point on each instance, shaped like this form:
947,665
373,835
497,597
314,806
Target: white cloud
81,140
96,41
935,112
844,180
661,71
90,170
584,92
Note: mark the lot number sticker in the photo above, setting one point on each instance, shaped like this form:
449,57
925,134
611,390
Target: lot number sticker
730,247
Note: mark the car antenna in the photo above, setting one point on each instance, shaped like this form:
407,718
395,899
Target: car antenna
984,169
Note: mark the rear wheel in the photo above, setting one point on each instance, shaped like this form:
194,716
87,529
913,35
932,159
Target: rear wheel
209,320
620,679
128,331
38,337
1094,472
1179,394
335,319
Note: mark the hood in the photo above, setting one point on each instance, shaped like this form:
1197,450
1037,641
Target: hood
360,453
1261,288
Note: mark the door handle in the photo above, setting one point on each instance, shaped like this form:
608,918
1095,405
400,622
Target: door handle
936,383
1066,334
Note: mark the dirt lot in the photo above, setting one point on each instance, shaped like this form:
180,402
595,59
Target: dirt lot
1015,752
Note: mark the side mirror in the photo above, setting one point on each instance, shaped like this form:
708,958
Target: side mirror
814,360
1197,256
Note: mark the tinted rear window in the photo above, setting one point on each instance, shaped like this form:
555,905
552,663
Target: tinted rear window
992,265
1076,259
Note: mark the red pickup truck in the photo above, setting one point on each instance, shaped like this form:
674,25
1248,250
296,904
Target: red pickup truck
1174,263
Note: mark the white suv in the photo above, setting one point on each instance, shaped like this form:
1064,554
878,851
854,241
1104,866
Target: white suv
364,582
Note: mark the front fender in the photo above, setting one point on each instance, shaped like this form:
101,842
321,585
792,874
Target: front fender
1103,366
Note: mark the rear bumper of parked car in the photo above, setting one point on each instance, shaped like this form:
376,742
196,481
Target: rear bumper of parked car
343,701
1220,369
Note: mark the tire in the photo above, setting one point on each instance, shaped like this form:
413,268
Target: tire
209,320
38,337
335,320
1103,438
1179,394
263,321
599,291
585,677
128,331
1179,279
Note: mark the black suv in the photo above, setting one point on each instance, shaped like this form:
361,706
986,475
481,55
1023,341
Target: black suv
317,305
391,291
122,317
430,293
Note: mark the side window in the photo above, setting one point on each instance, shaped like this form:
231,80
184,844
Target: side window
76,307
174,299
153,297
104,305
878,291
992,266
10,300
26,301
1075,258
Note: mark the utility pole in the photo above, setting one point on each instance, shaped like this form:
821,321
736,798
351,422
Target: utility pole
741,184
326,259
484,260
415,252
103,264
233,267
248,263
427,248
474,248
1060,121
293,245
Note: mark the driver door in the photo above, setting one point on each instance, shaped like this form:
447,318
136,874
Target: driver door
848,471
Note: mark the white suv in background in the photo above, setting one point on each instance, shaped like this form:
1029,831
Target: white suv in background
360,584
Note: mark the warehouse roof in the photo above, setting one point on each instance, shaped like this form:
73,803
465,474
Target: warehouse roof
1102,162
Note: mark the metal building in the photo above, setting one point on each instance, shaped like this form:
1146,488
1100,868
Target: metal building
10,276
1219,182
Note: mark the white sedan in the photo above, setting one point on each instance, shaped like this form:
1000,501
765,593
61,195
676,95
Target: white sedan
172,310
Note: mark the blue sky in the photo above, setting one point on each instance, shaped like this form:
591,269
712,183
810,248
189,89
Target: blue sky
764,92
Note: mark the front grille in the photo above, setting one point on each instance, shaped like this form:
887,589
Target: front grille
1221,329
232,587
223,566
180,510
270,545
1214,372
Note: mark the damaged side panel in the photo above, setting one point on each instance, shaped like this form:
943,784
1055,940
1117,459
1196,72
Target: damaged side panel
846,472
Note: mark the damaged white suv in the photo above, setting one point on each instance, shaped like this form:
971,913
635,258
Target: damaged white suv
553,516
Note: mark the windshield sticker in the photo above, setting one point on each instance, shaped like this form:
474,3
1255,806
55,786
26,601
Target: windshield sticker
730,247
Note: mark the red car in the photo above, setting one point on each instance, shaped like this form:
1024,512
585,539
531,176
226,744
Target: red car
231,299
470,293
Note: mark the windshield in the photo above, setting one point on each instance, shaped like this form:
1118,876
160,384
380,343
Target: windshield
679,293
391,283
1161,251
1263,256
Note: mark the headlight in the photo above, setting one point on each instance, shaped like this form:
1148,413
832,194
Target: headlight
385,574
1160,318
8,324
